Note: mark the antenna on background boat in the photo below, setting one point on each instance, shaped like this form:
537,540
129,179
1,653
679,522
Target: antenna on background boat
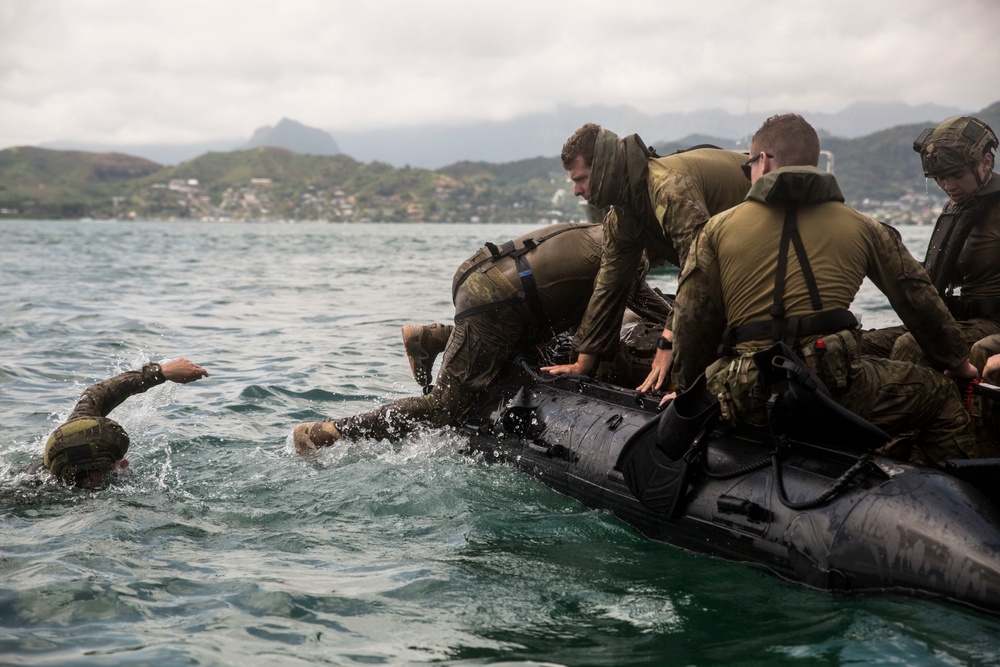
829,160
746,117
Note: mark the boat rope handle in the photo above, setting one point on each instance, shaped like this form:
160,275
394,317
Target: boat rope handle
835,489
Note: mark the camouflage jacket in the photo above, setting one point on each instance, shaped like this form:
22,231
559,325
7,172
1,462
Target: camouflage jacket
729,279
564,266
98,400
685,190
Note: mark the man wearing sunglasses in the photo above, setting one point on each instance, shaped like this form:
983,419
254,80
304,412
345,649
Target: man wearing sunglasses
658,205
784,266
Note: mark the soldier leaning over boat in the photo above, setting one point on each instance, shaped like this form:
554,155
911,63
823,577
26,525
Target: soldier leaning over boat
509,296
659,204
784,266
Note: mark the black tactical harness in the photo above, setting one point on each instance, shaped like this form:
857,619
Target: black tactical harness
790,329
529,288
947,242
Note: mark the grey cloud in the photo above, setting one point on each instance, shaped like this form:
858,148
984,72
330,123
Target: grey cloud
146,70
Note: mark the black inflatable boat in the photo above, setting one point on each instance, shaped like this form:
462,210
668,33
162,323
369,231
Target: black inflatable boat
814,514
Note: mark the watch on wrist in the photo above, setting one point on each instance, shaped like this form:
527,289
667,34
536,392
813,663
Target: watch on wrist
663,344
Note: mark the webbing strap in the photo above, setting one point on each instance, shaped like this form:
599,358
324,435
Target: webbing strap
507,250
530,289
818,324
782,328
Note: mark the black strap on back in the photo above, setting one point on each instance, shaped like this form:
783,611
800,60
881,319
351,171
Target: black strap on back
507,250
529,288
817,324
788,329
782,328
947,241
692,148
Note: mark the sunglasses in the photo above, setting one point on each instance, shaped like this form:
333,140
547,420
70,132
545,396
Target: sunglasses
746,165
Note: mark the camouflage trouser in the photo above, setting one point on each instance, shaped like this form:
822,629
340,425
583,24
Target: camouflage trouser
985,411
635,354
896,343
901,398
479,346
879,342
477,350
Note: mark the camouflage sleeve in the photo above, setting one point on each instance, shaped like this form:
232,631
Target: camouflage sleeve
905,283
699,315
621,255
677,205
649,305
100,399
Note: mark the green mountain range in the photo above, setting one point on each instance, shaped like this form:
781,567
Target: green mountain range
267,183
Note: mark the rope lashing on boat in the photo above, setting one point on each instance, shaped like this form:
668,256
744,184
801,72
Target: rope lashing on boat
836,488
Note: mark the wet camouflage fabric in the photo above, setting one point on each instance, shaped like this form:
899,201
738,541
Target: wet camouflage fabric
685,190
104,436
729,280
564,268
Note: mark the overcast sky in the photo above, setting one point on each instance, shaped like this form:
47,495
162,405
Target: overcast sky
148,71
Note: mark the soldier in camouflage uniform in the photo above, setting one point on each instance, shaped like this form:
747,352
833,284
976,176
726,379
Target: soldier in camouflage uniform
659,204
88,446
964,250
745,287
508,296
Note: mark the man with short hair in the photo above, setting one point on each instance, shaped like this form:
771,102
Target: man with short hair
963,256
658,205
88,447
785,266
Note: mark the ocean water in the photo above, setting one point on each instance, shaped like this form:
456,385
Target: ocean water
222,547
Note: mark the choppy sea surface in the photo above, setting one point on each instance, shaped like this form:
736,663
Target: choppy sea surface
222,547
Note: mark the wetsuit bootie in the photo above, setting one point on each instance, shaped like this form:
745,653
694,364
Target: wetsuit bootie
311,436
423,344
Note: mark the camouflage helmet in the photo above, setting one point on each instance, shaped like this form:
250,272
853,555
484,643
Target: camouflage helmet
83,446
957,142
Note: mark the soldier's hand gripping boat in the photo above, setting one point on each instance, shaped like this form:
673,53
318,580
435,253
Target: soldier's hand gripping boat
804,507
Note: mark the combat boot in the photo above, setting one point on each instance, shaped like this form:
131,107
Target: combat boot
423,344
310,436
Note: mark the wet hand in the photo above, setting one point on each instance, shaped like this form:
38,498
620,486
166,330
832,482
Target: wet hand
991,371
659,372
182,371
667,398
583,366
